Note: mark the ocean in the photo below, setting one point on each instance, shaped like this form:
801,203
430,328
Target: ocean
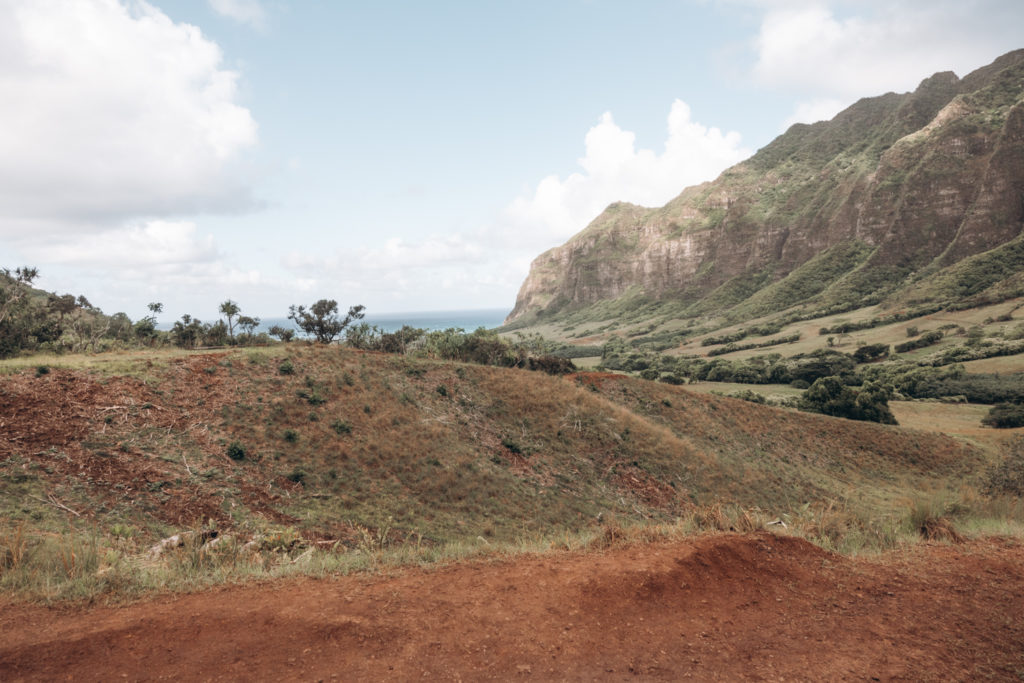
468,320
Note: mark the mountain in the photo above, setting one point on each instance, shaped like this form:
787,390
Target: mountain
901,199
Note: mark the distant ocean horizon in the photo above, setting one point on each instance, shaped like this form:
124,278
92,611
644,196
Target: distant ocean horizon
468,320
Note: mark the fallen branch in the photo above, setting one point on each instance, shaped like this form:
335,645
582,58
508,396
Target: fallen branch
56,503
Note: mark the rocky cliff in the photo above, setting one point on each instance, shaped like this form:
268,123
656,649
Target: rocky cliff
845,212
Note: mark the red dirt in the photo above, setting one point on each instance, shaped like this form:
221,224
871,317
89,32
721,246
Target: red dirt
85,429
723,607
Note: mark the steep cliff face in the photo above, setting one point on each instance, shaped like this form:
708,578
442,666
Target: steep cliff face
897,186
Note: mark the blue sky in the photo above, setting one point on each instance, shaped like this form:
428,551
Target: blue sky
407,156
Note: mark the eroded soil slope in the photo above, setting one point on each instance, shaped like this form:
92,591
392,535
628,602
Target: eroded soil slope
346,439
719,607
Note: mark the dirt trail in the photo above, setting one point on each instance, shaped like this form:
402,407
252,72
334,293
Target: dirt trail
726,607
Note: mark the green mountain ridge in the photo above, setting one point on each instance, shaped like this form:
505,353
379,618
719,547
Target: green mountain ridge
900,200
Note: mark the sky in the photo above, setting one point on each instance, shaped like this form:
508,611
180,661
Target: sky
406,156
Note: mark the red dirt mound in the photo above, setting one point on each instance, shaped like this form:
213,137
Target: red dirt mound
714,608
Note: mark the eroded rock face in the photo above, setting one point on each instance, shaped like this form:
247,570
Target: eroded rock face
923,178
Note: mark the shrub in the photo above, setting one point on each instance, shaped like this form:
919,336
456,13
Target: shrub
1008,476
342,427
977,387
553,365
1005,416
286,367
871,352
820,363
930,517
750,396
830,396
511,445
282,333
290,435
236,451
926,339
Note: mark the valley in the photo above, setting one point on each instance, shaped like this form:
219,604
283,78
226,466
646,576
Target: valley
773,429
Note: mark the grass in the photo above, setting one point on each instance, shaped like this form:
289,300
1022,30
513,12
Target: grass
386,469
90,566
769,391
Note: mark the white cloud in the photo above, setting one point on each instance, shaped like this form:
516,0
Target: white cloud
486,265
614,170
113,112
243,11
830,53
154,243
398,264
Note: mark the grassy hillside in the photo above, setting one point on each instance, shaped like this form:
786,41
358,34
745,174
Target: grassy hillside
305,447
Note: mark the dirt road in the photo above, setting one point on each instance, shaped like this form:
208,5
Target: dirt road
725,607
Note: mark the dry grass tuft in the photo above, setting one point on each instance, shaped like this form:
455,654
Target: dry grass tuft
939,529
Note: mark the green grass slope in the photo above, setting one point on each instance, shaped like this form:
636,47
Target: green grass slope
327,441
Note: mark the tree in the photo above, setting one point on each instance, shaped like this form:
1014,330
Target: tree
248,324
145,328
20,285
89,326
230,309
1005,416
21,323
831,396
871,352
285,334
187,332
322,321
215,334
62,305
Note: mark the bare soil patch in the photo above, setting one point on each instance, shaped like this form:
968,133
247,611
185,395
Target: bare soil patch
724,607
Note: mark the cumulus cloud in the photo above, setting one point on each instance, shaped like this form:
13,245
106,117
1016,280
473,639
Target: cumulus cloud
153,243
249,12
831,52
491,262
400,265
113,113
615,170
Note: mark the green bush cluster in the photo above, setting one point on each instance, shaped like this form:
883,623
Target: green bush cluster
926,339
739,335
871,352
482,346
768,369
985,349
832,396
729,348
879,321
1005,416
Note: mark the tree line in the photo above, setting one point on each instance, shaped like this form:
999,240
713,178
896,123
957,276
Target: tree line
32,320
